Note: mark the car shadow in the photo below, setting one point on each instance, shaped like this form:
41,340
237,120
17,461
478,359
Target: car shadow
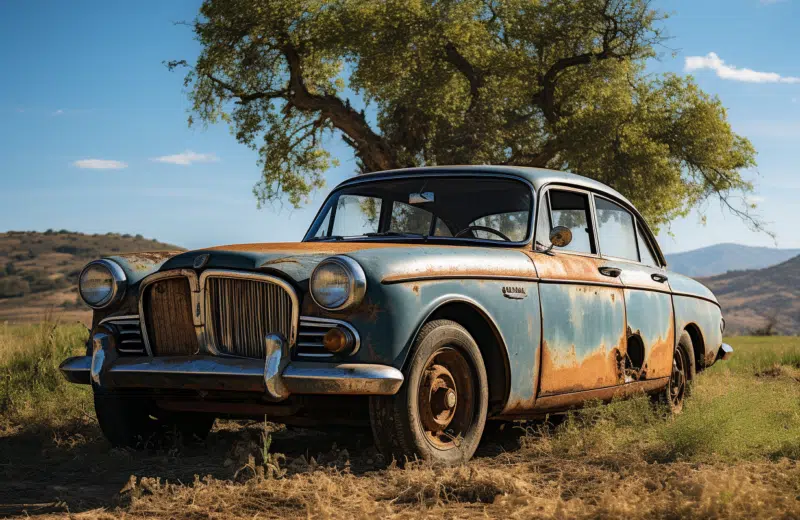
73,468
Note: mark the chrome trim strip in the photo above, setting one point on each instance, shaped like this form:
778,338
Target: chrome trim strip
127,317
312,321
419,278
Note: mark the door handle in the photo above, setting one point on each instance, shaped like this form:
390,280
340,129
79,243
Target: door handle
613,272
659,277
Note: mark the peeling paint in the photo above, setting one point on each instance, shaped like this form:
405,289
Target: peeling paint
584,337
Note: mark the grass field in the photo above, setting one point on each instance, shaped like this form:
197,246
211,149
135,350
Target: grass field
733,452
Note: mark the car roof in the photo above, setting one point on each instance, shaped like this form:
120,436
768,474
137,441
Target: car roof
538,177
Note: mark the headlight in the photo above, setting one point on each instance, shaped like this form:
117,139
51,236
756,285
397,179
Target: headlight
102,283
338,283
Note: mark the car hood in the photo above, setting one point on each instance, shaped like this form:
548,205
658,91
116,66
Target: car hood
383,262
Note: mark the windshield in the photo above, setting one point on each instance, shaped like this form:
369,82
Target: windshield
444,208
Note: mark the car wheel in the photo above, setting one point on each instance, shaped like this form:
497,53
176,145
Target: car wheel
682,375
440,412
128,420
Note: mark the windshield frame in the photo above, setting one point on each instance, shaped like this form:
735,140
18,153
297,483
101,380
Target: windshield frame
324,208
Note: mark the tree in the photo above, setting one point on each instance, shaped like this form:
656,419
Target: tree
545,83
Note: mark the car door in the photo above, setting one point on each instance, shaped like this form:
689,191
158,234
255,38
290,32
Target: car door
581,299
625,243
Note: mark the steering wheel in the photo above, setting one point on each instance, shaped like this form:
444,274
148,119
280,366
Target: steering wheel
482,228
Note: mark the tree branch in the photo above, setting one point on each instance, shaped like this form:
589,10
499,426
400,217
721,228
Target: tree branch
370,148
473,75
245,98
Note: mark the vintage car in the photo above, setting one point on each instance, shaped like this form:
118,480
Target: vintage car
422,302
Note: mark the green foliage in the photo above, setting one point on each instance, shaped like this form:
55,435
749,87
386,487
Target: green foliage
546,83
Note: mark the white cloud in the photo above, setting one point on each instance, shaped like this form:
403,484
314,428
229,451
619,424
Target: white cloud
58,112
754,199
713,62
186,158
100,164
771,2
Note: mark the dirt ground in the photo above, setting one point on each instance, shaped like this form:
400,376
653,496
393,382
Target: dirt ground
338,474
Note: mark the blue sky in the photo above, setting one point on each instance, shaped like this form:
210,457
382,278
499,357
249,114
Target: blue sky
93,133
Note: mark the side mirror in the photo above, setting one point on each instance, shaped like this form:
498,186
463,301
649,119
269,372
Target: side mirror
560,236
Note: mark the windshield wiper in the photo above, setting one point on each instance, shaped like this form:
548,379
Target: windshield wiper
395,234
324,238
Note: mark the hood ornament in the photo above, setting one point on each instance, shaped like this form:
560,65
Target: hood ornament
200,261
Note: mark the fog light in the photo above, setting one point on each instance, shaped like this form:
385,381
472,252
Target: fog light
338,340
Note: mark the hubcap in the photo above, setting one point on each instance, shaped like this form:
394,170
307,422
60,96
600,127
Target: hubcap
446,398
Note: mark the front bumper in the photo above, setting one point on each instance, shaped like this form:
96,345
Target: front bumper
276,377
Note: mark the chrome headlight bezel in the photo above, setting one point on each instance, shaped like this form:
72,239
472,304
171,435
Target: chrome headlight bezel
356,283
118,286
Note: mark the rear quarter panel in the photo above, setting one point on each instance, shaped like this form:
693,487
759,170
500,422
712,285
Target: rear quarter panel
696,305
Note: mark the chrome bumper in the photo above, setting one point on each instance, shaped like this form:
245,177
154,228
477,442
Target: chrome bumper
724,352
277,377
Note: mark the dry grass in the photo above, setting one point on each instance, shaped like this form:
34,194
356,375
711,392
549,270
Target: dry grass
732,453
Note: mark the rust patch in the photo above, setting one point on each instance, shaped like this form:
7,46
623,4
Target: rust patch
564,402
601,368
570,267
283,260
144,260
415,289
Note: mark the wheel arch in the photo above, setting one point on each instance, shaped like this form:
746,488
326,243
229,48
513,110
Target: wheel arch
698,344
483,328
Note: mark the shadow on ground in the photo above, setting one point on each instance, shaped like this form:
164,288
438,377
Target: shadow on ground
74,469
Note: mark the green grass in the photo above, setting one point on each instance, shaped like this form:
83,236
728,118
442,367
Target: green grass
746,408
33,393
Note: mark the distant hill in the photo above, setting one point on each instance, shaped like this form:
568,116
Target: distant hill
721,258
39,271
753,299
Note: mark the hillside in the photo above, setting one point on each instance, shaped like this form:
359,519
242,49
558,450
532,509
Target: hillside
39,271
721,258
752,298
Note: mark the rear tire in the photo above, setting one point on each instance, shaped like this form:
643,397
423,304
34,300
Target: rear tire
440,412
682,375
130,420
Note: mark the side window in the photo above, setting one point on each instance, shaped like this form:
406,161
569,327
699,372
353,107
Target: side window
615,230
648,258
571,210
410,219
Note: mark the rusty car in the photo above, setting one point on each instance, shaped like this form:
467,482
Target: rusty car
421,302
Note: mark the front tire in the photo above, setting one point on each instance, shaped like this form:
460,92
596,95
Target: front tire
440,412
130,420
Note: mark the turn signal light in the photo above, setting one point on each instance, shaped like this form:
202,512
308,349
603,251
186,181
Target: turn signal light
338,340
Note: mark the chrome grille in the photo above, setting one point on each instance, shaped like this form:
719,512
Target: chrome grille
241,311
168,308
130,333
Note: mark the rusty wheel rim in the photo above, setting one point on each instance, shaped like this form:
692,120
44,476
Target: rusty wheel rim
446,398
677,382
